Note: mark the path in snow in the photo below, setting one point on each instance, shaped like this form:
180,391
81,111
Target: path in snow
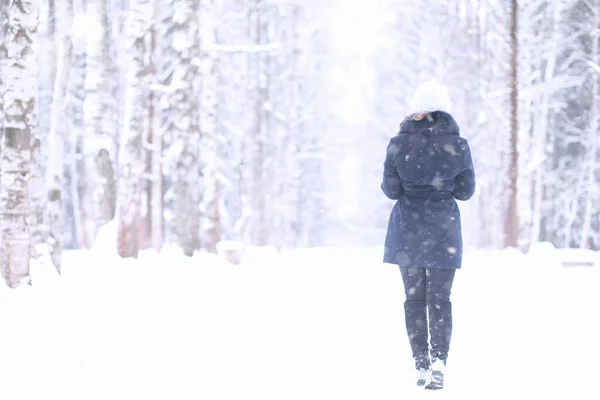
320,324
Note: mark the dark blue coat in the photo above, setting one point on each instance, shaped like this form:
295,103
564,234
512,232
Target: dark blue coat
427,166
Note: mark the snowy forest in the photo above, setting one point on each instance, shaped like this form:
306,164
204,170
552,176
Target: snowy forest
265,122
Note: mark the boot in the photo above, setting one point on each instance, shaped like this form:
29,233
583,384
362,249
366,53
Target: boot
436,376
422,364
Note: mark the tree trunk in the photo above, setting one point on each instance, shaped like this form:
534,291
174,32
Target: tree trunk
47,33
74,110
57,135
155,190
4,25
131,154
99,147
186,182
36,177
154,187
37,228
512,217
162,128
19,106
260,229
208,128
113,121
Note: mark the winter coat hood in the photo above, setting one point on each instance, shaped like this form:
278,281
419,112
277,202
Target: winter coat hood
437,123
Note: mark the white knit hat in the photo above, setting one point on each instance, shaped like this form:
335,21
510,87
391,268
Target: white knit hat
430,96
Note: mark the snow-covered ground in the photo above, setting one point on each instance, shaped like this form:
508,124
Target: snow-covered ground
310,324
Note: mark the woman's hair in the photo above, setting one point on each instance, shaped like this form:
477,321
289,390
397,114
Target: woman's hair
417,117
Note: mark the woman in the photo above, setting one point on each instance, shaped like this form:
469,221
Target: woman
427,167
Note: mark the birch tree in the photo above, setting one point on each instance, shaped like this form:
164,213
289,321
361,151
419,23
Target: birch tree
15,164
131,153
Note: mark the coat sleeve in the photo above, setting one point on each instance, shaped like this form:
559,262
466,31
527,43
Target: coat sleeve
464,186
392,184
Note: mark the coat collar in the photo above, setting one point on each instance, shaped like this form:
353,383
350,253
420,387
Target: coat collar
436,123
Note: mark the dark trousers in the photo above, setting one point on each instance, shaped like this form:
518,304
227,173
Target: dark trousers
428,311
